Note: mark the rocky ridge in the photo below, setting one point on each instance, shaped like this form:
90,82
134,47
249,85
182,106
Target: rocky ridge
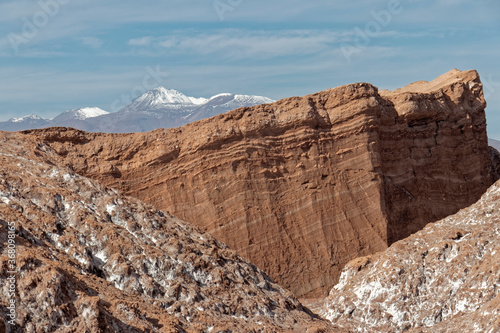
92,260
304,185
445,278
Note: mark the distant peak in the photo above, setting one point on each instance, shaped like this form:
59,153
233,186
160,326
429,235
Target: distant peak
165,91
87,112
28,117
162,96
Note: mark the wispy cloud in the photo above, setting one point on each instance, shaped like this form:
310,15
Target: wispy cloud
143,41
234,43
252,44
92,42
259,44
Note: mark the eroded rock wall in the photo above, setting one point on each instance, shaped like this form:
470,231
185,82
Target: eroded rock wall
303,185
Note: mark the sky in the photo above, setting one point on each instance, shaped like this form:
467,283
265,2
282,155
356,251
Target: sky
57,55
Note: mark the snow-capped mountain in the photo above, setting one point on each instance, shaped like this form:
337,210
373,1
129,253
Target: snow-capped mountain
166,108
225,102
157,108
31,117
26,122
78,118
161,98
79,114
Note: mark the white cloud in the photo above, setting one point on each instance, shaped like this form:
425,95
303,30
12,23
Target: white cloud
92,42
143,41
248,44
251,44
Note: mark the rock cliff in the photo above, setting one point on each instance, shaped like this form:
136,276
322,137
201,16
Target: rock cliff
88,259
305,184
445,278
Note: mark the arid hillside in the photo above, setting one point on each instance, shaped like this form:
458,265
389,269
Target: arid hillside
445,278
86,258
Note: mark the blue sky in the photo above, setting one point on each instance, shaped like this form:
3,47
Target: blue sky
57,55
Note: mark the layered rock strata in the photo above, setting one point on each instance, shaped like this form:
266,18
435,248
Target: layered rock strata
304,185
76,256
445,278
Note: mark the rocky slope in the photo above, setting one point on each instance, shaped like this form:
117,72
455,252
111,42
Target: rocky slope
304,185
445,278
89,259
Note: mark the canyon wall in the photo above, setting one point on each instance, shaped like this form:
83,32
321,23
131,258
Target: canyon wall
304,185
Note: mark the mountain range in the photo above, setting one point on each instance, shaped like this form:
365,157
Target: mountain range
157,108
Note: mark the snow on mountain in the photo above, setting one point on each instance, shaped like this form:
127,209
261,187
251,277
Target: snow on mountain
26,118
23,123
157,108
80,114
222,103
220,95
86,113
245,100
167,108
160,97
198,100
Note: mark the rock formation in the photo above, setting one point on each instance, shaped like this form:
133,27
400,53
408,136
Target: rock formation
304,185
88,259
445,278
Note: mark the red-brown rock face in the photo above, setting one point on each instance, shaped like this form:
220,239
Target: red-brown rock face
303,185
88,259
444,278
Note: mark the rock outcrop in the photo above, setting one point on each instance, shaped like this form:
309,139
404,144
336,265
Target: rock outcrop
445,278
76,256
304,185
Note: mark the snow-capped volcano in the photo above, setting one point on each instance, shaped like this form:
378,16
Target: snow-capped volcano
165,108
160,97
79,118
157,108
225,102
26,122
91,112
26,118
80,114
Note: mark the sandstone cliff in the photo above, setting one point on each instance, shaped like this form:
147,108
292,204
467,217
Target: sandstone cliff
88,259
445,278
303,185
